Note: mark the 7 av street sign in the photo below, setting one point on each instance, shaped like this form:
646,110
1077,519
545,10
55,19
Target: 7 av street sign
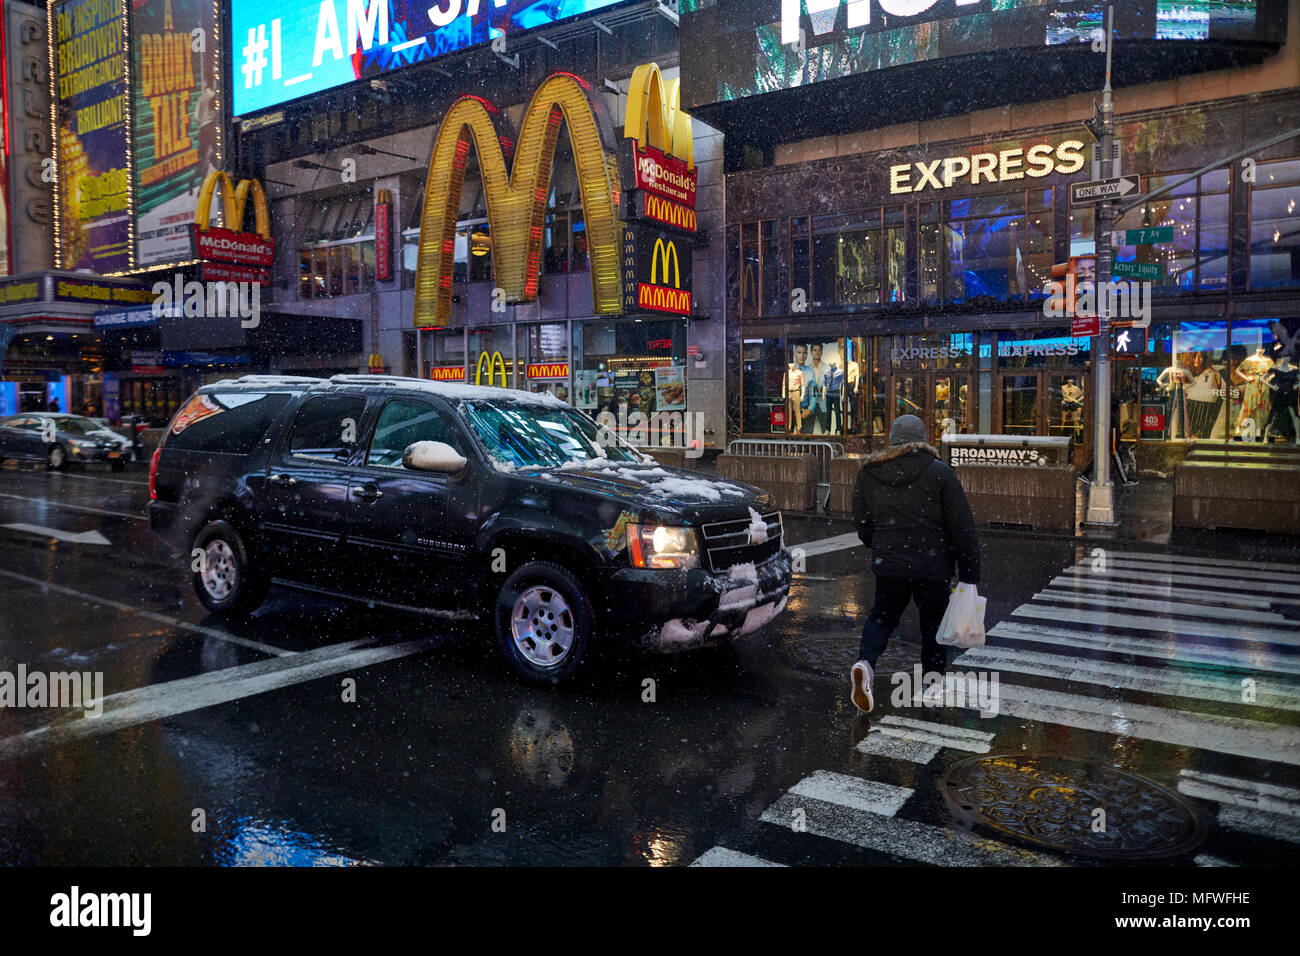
1099,190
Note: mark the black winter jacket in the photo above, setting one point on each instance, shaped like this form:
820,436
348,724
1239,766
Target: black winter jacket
912,513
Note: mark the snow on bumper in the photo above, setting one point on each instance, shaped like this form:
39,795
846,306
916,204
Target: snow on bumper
748,599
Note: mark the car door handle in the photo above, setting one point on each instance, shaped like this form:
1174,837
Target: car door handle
285,480
367,493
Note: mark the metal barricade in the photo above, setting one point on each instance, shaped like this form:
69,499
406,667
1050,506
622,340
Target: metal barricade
824,451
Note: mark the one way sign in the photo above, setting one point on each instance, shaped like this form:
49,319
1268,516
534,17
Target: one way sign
1085,194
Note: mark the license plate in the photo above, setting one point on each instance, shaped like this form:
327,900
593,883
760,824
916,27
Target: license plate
114,454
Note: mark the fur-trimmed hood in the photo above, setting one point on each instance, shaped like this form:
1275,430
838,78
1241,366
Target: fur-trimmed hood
900,464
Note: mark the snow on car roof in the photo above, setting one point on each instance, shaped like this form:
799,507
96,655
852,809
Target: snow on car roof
454,391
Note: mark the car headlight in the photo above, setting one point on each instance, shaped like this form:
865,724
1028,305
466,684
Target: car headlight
661,546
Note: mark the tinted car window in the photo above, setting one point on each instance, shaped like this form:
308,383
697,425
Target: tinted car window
402,423
225,422
326,427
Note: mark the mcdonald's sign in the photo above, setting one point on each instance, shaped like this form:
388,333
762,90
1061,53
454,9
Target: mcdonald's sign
656,272
659,155
491,361
516,197
231,244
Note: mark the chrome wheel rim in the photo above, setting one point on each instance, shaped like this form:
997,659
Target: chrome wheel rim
220,574
56,456
542,626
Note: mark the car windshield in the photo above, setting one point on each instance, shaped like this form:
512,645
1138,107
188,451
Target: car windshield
541,436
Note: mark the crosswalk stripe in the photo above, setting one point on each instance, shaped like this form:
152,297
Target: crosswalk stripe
1206,860
1228,566
908,839
1250,794
1275,826
1162,625
1230,735
839,542
1243,656
1100,584
1275,589
1201,685
1122,602
897,748
721,856
869,795
925,732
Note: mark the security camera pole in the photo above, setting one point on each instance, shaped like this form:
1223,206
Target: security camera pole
1101,493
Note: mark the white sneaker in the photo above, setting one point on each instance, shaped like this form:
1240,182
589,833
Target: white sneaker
862,677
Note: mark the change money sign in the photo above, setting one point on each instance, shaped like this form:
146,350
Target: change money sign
91,140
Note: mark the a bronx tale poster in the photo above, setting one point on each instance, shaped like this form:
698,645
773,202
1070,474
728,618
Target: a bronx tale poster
175,121
90,134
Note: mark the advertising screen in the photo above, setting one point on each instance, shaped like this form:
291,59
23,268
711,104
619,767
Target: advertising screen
281,51
175,121
91,136
746,47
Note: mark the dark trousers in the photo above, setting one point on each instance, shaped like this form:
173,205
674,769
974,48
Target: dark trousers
892,597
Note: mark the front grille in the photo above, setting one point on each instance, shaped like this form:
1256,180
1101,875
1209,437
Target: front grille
726,543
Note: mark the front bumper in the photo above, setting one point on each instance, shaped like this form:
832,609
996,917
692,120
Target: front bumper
669,611
94,453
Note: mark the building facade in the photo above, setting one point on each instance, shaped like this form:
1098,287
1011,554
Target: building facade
889,247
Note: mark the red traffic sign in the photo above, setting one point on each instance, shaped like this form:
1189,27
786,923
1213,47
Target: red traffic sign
1081,325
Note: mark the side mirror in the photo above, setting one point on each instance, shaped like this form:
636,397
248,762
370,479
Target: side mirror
433,456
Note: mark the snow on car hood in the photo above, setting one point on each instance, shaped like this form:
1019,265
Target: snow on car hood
652,486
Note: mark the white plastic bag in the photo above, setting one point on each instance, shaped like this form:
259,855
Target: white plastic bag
963,622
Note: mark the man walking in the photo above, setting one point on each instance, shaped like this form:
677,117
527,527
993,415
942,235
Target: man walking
912,513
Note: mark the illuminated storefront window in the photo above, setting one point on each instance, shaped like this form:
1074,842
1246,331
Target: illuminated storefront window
999,246
1275,225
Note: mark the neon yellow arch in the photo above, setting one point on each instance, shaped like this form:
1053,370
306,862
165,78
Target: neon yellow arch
517,200
233,200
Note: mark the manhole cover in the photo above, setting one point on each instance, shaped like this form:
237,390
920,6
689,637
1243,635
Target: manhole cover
1053,801
828,654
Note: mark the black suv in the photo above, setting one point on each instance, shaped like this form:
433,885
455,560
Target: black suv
462,501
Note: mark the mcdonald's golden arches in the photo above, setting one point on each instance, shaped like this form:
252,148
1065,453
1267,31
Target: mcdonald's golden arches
491,361
233,200
516,199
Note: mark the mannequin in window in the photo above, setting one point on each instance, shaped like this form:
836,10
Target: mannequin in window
852,382
1072,407
1173,381
1254,395
794,387
815,394
1203,398
833,388
1284,419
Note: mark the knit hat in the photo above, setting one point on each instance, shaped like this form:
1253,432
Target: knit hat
907,429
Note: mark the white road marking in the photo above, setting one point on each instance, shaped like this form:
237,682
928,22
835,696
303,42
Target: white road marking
870,795
1275,826
1266,588
1162,625
908,839
117,481
721,856
150,615
1099,585
1198,684
1168,561
839,542
1251,794
1229,735
160,701
896,748
1121,602
925,736
73,537
1206,860
60,504
1247,656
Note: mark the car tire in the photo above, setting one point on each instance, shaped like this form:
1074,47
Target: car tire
229,582
544,622
56,459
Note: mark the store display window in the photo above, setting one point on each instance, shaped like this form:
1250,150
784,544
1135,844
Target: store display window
763,386
1275,225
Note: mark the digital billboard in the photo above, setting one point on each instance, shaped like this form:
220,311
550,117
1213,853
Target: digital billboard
91,138
281,51
175,121
746,47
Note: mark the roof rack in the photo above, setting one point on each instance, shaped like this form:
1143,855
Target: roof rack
358,379
278,380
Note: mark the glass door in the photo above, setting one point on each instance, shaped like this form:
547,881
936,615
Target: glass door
1019,405
1067,409
950,412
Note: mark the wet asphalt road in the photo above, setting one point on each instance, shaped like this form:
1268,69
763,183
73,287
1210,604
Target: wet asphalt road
230,743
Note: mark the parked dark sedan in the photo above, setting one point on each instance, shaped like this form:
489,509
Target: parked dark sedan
57,439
